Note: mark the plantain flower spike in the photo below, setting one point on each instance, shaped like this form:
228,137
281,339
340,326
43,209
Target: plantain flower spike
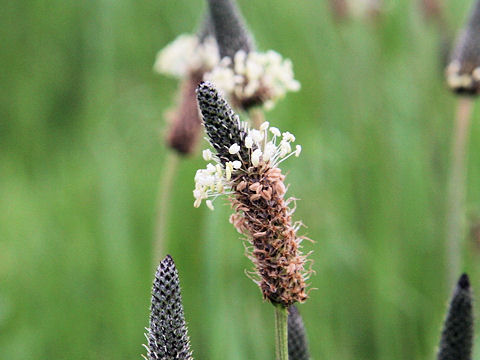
244,165
297,337
167,335
187,58
457,335
248,77
463,71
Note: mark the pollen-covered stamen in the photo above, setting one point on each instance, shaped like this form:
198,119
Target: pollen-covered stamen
187,54
254,78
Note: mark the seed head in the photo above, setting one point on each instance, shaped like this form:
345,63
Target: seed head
167,335
231,32
297,337
222,125
463,71
457,335
245,167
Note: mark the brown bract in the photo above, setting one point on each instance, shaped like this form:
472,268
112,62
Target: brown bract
185,122
262,213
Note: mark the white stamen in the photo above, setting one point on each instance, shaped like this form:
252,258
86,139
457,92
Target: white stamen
248,142
237,164
275,131
270,149
288,136
264,126
298,150
234,149
207,155
256,157
209,204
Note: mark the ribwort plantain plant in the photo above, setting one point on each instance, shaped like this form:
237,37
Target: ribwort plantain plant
245,167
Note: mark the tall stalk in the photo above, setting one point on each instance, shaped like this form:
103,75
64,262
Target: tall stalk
281,332
163,204
456,186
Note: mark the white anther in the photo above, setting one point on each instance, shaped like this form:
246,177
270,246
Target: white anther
264,126
256,157
298,150
207,155
275,131
209,204
234,149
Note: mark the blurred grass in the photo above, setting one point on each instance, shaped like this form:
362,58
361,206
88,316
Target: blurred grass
81,154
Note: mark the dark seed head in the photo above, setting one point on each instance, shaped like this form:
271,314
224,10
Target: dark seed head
297,337
222,125
463,71
457,335
167,335
230,29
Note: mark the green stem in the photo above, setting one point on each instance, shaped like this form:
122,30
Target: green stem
163,205
281,332
256,117
456,187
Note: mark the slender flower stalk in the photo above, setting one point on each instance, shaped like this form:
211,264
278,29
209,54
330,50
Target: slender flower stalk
463,78
167,334
281,333
457,187
457,336
297,337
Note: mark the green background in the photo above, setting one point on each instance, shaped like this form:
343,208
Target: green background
82,154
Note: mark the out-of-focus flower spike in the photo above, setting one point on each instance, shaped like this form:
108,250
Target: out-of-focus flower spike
297,337
457,335
231,32
167,335
463,71
185,123
206,29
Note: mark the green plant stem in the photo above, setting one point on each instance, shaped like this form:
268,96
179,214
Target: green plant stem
456,187
163,205
281,332
256,117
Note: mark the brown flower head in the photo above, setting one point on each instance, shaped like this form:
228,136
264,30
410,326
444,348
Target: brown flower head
463,71
246,167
